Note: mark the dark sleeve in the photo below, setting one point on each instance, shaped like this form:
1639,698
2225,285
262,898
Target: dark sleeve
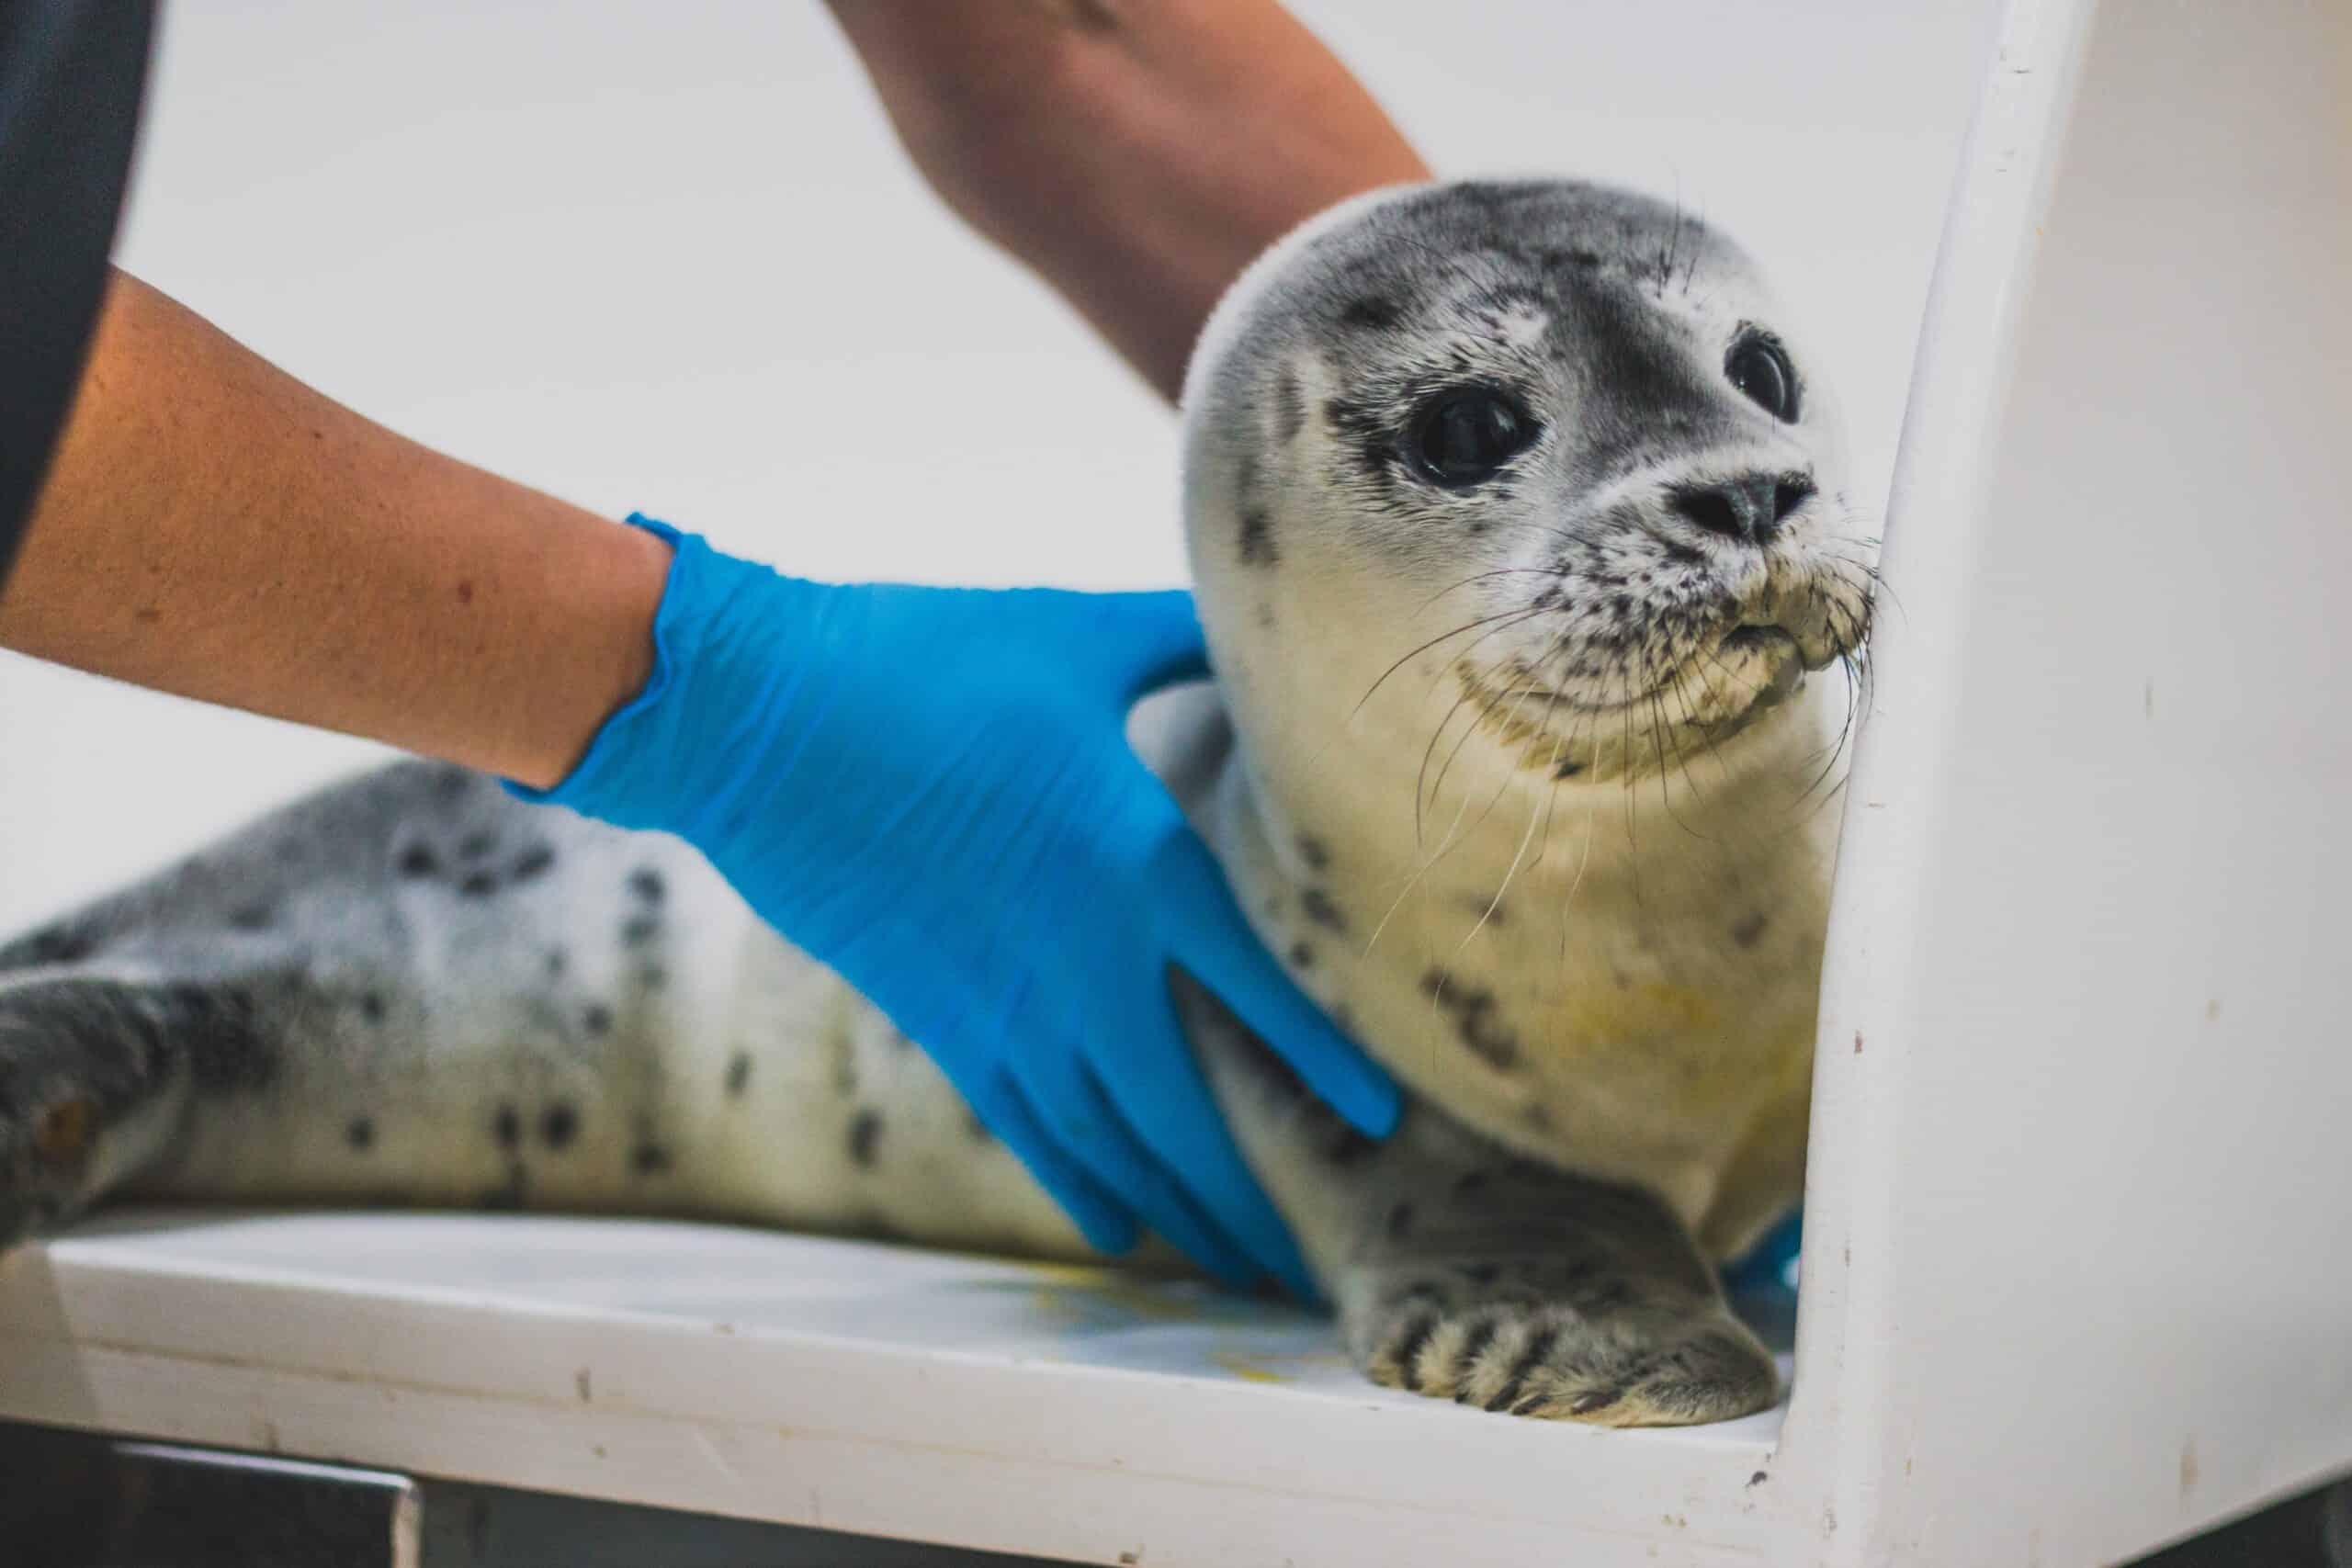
70,72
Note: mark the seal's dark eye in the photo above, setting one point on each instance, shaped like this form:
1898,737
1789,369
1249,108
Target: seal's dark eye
1757,367
1461,437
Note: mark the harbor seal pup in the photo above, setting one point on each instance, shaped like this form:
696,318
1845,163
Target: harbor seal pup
1519,521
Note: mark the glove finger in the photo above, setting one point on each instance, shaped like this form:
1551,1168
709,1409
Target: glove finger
1157,639
1088,1127
1212,938
1155,1086
1108,1224
1165,1206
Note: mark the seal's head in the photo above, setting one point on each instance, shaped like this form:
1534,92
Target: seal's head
1546,453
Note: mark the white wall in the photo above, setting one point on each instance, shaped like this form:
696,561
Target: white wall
667,256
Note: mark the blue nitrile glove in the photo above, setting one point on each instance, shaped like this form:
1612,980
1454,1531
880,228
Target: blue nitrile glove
931,791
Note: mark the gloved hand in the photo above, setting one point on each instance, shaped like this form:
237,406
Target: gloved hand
930,790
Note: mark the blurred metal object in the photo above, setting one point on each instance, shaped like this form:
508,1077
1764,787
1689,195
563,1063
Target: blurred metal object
2312,1530
72,1500
496,1527
75,1500
79,1500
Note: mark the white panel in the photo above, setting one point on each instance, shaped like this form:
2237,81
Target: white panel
2079,1270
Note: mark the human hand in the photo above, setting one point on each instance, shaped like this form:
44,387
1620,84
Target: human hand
930,790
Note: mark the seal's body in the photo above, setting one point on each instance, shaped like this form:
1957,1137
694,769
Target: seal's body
1517,529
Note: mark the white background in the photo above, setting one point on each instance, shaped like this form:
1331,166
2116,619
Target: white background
667,256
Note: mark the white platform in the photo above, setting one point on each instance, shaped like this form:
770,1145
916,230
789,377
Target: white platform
1055,1411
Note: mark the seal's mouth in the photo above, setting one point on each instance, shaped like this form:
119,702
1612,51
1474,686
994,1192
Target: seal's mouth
1777,652
1626,678
1731,688
1550,700
1769,640
1765,664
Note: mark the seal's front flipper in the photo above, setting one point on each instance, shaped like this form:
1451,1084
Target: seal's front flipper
1462,1272
1527,1290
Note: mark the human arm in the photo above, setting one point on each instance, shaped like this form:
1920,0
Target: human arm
211,527
1135,154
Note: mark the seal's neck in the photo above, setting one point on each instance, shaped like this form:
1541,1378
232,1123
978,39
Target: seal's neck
1617,977
1429,837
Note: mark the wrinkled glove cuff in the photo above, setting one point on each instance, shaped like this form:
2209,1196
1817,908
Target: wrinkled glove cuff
605,783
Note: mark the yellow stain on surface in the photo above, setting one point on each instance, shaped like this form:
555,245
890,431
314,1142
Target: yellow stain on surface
1246,1367
1080,1296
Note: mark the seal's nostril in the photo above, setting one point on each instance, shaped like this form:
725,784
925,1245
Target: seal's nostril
1714,511
1795,491
1748,508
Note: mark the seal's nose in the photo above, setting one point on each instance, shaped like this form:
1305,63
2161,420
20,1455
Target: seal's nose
1750,508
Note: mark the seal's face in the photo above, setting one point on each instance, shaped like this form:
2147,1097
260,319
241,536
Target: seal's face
1553,436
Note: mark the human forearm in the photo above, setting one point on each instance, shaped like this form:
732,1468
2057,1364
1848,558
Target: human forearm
1137,155
212,527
